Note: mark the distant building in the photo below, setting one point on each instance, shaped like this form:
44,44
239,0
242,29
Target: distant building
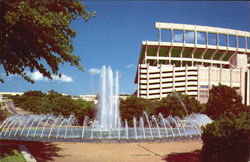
193,59
94,98
89,97
11,93
21,93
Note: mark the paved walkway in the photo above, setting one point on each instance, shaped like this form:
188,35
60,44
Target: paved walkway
15,110
122,152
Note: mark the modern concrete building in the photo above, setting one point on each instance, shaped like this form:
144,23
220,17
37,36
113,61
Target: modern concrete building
192,58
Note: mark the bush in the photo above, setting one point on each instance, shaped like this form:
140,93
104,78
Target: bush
223,99
227,138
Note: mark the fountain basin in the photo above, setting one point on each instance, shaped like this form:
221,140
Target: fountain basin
49,128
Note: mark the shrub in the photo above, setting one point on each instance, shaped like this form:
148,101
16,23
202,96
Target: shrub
227,138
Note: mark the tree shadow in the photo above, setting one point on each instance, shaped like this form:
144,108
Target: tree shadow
42,151
194,156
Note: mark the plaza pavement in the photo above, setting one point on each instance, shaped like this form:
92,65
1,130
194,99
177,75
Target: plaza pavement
127,152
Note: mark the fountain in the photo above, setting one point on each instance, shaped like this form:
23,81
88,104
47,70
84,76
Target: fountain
108,105
107,126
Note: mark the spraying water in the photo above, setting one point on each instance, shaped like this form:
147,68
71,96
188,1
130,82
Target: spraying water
108,106
183,105
107,124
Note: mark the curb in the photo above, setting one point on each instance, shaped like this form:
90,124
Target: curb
26,154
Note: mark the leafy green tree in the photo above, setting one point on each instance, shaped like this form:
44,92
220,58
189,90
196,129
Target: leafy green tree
134,107
3,114
227,138
37,35
56,104
84,108
53,94
34,94
175,105
29,103
18,99
44,106
63,106
223,99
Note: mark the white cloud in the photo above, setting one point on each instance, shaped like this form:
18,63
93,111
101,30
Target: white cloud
94,71
178,37
130,66
64,78
200,37
189,37
37,76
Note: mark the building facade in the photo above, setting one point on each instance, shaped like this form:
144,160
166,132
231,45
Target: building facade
191,59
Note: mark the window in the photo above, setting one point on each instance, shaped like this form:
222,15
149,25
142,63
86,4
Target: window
204,86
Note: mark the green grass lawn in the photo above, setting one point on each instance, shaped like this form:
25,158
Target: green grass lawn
10,153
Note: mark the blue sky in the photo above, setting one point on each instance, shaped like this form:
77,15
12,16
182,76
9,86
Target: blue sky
114,39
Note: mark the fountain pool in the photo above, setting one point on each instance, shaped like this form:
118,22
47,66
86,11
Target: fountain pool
107,126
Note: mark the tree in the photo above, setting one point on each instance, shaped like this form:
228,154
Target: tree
34,94
3,114
36,35
56,104
223,99
176,105
134,107
84,108
227,138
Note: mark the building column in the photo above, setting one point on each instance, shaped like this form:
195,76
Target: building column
205,50
195,46
170,50
237,42
159,34
206,38
246,44
217,39
227,40
195,37
172,36
158,53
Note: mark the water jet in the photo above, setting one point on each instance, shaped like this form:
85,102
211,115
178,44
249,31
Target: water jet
107,126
